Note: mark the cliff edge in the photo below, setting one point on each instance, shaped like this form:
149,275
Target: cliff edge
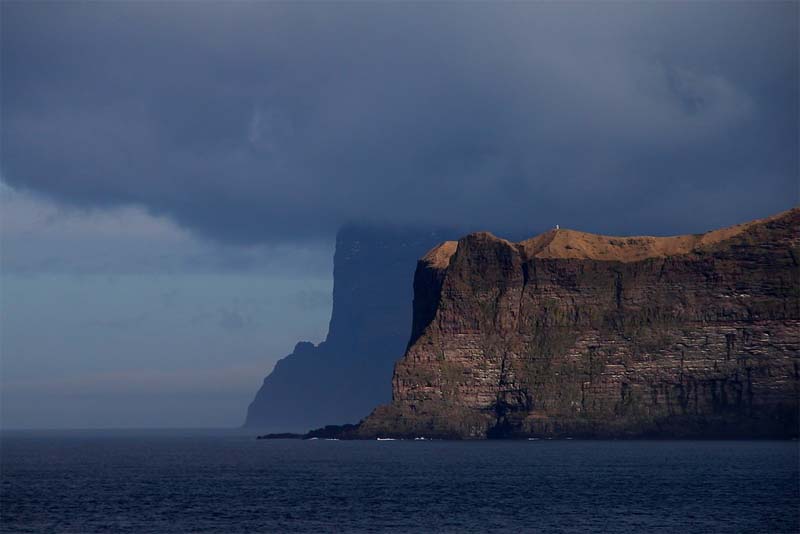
571,334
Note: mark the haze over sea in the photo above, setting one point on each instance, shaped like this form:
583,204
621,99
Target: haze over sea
226,481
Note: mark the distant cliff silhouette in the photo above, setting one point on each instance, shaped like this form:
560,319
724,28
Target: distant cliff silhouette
345,377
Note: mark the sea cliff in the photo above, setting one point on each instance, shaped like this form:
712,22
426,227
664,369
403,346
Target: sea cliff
343,378
570,334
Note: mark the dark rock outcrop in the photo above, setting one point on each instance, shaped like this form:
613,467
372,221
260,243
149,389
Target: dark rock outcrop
343,378
580,335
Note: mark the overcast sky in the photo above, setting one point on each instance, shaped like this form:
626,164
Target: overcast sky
173,173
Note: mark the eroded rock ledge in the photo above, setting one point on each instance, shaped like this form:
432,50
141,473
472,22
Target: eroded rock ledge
581,335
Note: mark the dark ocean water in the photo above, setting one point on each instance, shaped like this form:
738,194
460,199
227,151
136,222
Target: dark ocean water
159,481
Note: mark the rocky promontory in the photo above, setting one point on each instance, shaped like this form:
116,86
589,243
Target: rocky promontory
571,334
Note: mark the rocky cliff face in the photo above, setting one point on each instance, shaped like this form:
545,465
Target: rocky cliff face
347,375
574,334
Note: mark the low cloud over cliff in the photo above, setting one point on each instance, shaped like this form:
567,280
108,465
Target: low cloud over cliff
257,122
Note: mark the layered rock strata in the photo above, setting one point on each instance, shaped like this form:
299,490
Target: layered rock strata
570,334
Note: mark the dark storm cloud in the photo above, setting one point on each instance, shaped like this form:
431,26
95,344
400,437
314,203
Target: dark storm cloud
264,121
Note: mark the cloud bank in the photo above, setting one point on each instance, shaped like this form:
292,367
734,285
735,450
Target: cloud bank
269,122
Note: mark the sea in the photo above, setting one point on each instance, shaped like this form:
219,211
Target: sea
204,481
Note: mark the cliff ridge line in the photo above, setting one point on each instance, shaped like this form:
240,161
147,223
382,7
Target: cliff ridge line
563,243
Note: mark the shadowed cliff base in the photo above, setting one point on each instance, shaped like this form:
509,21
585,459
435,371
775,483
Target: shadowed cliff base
576,335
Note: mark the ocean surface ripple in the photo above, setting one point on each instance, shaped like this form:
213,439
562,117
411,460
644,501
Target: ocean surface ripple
182,481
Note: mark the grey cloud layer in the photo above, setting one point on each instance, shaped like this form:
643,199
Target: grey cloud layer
257,122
